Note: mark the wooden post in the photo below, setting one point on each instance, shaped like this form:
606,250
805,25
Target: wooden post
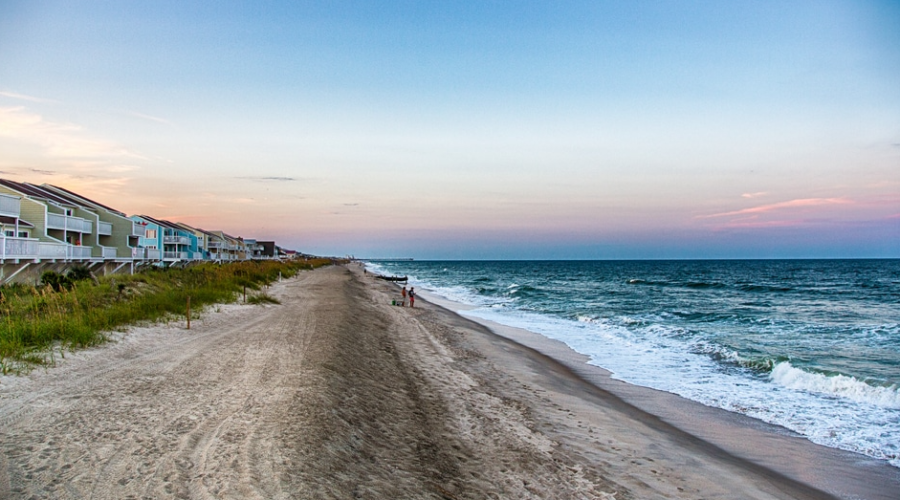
245,294
189,313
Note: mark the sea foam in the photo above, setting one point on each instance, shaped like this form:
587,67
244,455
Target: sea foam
786,375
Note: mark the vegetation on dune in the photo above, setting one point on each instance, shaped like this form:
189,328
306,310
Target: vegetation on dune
75,310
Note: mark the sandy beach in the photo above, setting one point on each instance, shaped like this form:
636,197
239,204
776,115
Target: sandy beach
335,393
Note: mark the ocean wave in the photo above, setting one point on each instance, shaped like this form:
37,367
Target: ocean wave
842,386
765,288
761,365
702,284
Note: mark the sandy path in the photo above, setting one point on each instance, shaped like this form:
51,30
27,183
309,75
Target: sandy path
337,394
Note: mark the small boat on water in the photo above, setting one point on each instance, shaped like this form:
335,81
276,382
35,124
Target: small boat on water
393,278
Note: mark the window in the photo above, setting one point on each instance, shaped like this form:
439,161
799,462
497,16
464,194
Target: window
151,233
9,232
23,234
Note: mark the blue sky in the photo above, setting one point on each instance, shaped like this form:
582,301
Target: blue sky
471,129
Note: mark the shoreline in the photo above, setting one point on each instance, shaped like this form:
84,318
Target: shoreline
335,393
839,472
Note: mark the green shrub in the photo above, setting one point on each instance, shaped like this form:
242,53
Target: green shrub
55,280
79,273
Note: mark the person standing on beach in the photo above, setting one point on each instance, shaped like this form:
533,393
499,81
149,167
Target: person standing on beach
412,296
403,293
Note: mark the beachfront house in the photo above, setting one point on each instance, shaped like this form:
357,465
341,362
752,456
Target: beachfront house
18,249
171,244
230,248
218,246
269,250
115,241
57,223
203,241
254,249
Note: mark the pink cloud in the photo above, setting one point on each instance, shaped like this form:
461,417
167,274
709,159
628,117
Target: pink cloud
753,195
800,203
753,224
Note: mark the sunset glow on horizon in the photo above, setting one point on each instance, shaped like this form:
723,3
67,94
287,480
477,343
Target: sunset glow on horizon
471,130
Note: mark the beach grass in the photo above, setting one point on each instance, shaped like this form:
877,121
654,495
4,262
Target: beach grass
39,322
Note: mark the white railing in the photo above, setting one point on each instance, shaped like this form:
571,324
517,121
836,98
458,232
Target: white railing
75,252
177,240
216,244
108,252
18,248
9,205
104,228
52,250
145,253
137,229
176,255
57,221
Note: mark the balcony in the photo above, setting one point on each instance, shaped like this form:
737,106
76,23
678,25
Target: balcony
109,252
176,255
145,253
176,240
78,253
52,251
104,228
137,229
9,205
18,248
66,223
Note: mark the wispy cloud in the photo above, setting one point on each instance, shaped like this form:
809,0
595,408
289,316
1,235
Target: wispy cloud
757,224
23,97
258,178
772,207
753,195
151,118
58,140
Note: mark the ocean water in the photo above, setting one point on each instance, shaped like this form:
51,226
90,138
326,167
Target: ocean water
813,346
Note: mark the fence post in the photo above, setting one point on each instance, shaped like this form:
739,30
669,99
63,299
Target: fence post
189,312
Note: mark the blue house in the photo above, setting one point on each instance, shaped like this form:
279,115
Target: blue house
166,241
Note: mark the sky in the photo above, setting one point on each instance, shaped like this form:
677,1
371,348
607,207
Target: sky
471,129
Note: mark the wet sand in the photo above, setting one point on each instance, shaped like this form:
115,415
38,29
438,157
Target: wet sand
335,393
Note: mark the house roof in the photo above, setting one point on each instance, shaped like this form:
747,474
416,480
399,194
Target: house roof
33,191
69,198
204,231
88,200
162,223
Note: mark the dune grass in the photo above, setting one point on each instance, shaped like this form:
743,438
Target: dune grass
34,321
